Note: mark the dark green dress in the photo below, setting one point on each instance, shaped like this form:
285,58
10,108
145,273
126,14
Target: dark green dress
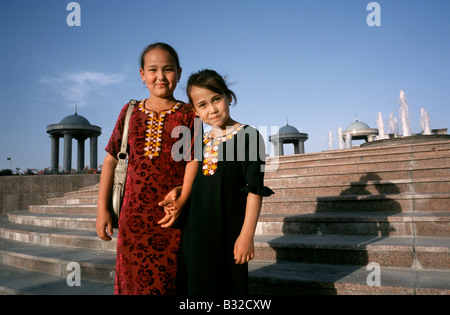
228,171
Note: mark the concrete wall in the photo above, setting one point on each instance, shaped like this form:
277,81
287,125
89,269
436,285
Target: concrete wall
17,192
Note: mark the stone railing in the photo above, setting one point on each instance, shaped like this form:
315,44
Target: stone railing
18,192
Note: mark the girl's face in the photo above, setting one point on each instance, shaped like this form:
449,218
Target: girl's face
211,107
160,73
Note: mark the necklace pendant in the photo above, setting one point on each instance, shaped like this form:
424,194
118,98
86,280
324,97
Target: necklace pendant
155,127
211,152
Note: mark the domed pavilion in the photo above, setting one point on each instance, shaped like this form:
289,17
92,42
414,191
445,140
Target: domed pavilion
359,130
289,134
73,127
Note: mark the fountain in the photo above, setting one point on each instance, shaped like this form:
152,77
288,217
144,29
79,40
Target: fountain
425,122
330,140
393,125
404,115
380,126
359,130
427,134
341,140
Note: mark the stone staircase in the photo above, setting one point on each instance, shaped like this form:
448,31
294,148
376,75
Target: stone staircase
333,214
37,247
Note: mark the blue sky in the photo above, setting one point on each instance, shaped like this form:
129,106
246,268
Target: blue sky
315,62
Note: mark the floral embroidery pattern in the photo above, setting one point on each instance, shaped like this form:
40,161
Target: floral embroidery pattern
155,126
147,256
211,153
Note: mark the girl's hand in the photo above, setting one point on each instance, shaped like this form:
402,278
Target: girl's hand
172,213
243,250
172,195
171,208
104,225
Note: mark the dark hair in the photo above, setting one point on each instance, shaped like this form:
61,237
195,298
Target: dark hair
211,80
163,46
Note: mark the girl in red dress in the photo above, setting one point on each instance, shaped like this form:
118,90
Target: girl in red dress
147,255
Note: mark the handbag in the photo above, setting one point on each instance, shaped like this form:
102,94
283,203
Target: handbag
120,172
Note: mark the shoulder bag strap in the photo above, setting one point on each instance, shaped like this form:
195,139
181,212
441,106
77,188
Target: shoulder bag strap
123,148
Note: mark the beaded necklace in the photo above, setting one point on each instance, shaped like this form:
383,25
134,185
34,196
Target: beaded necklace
211,153
155,126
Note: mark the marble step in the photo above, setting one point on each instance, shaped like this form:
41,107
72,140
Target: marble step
357,223
268,278
358,158
94,265
368,154
387,251
56,237
74,200
265,278
291,179
294,187
351,172
63,221
70,209
407,202
382,161
89,191
18,281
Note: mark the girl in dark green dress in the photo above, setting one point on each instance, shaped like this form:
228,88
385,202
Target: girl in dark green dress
225,197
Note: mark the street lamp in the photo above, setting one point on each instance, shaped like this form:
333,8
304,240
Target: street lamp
9,159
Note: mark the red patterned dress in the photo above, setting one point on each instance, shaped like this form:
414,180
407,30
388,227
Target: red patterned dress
147,255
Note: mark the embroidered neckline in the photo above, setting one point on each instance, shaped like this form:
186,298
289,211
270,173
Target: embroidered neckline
155,126
211,153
